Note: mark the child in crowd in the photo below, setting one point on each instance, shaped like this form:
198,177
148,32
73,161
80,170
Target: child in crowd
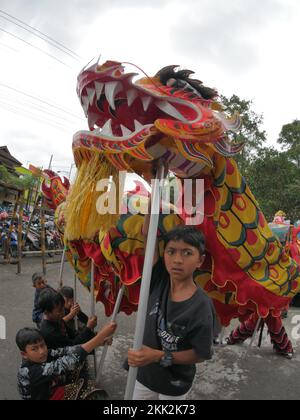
54,329
180,321
41,375
39,283
72,310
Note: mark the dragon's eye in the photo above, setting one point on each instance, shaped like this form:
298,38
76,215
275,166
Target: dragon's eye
172,83
181,84
177,83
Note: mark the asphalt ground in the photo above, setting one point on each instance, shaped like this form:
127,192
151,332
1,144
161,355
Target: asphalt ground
235,373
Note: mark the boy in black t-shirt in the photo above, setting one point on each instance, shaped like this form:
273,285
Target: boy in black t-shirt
180,321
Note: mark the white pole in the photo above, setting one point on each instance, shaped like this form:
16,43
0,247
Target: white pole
93,306
113,319
92,288
75,300
61,272
50,163
221,336
70,173
146,280
254,334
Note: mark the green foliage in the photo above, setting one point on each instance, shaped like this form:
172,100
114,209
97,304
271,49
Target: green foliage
273,180
273,175
250,132
24,183
289,138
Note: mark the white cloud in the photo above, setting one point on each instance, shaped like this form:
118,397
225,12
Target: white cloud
224,32
245,47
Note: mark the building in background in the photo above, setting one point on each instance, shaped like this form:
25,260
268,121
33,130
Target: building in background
8,194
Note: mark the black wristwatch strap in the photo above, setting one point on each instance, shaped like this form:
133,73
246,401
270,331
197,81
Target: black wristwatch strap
167,359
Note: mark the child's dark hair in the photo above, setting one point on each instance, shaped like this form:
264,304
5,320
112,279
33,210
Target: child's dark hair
188,234
28,336
67,292
50,298
36,277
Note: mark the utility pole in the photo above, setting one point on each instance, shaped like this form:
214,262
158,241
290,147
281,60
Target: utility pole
71,168
50,163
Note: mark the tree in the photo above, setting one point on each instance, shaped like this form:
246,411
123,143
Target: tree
273,176
250,132
289,138
273,180
24,183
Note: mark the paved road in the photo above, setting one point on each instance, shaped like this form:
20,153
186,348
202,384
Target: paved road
234,373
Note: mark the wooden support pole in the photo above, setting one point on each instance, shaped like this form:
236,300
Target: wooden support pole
51,262
33,213
20,234
43,238
7,254
39,253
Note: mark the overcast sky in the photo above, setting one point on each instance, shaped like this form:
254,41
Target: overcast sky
244,47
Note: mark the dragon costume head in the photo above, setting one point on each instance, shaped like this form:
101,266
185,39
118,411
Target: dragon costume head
170,116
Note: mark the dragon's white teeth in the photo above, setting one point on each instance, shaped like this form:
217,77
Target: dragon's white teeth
99,89
106,129
125,131
131,96
91,94
169,109
138,126
92,119
146,102
111,90
85,103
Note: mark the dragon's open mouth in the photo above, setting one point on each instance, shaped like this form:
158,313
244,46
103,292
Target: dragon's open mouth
169,116
118,109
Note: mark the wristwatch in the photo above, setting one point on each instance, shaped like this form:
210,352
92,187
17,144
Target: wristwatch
166,360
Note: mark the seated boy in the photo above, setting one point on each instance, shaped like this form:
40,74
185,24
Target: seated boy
41,375
39,283
53,328
72,310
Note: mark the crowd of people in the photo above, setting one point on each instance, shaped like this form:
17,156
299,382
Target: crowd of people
179,331
54,350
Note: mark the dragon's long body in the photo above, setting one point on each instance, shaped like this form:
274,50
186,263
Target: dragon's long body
174,118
